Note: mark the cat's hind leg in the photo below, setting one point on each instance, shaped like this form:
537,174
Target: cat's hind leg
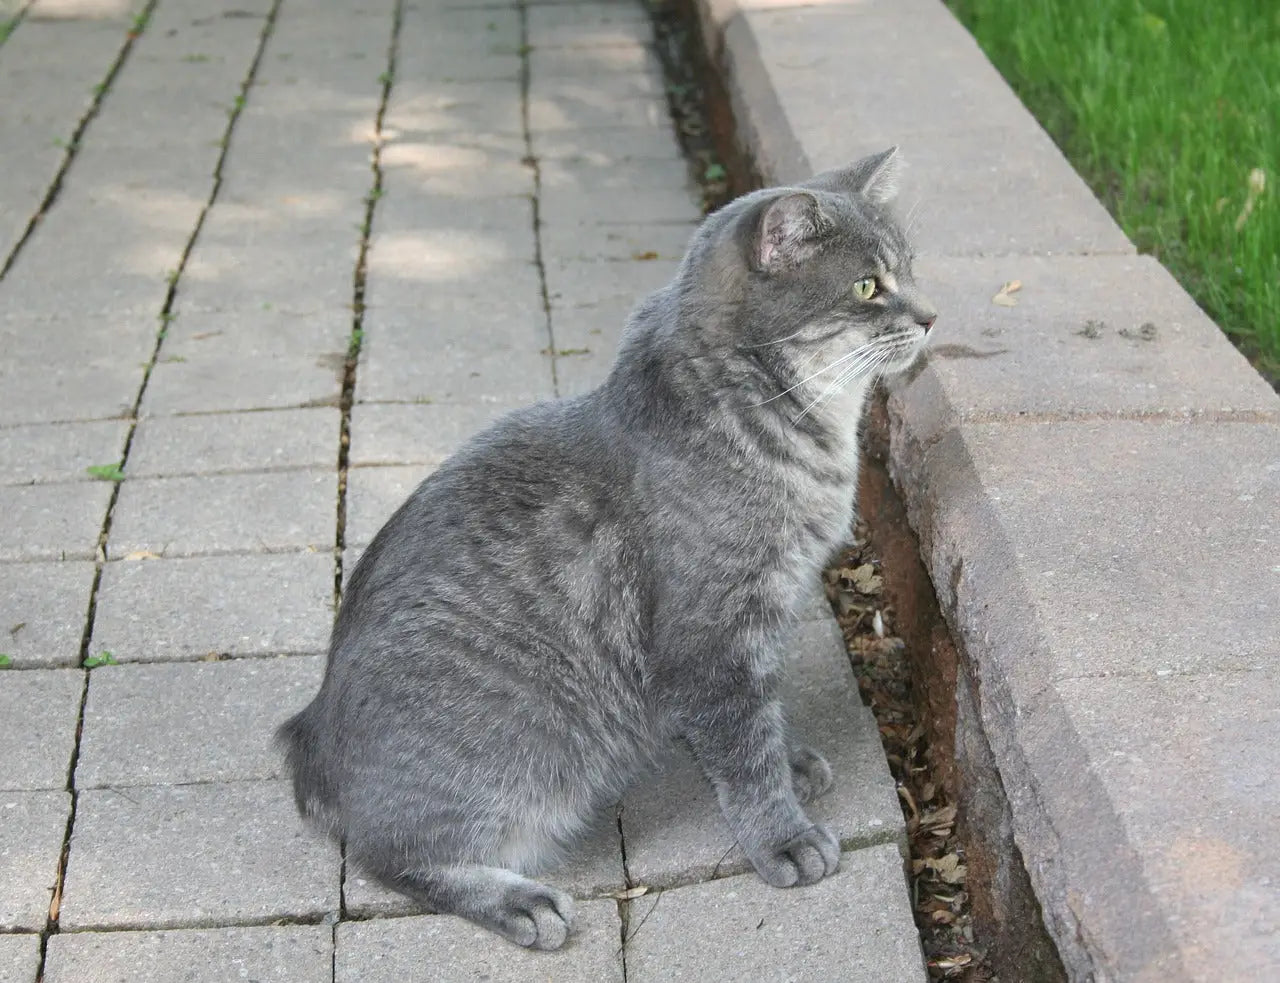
517,908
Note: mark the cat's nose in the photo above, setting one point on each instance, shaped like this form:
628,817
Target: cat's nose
926,321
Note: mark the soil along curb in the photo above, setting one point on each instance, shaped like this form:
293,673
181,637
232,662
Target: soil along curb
1094,476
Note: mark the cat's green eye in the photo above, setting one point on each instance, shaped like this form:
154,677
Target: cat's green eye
866,289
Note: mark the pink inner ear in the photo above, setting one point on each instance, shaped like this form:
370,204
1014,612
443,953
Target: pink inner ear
786,227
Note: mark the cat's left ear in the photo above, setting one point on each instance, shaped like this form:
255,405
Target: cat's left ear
791,228
874,177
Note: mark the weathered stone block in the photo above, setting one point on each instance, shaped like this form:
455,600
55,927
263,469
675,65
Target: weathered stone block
215,722
35,824
290,438
396,433
194,855
1090,336
43,708
60,451
475,353
43,608
19,958
373,495
280,953
59,522
162,610
225,513
392,950
855,926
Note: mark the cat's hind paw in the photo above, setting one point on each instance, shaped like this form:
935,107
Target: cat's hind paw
535,916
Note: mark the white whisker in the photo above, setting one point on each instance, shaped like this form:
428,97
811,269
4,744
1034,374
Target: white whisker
839,361
863,366
912,216
776,341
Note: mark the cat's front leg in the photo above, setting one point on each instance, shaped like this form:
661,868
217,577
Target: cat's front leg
742,746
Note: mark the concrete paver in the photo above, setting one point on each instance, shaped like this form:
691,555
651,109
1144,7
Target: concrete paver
277,953
498,350
1152,590
249,359
36,453
60,522
854,926
215,722
418,433
189,608
394,950
19,958
38,753
42,611
34,824
373,495
266,512
267,441
61,393
1211,865
1145,349
194,855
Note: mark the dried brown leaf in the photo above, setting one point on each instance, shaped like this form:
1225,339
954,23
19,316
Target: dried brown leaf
631,893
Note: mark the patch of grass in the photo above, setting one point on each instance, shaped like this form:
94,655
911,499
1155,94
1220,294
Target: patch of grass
103,658
5,661
1169,109
106,472
6,28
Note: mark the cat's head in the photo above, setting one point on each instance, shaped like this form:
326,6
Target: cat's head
818,276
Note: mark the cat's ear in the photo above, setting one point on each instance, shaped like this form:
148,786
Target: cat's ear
791,228
874,177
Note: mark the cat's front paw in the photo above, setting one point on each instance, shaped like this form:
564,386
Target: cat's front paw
810,774
803,859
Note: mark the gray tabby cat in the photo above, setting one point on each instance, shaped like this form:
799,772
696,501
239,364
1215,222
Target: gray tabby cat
588,580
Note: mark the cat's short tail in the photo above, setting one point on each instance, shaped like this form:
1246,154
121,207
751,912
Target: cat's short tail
313,789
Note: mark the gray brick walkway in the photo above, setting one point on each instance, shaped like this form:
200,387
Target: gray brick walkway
205,208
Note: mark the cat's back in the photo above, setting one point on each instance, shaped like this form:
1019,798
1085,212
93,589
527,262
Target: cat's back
522,510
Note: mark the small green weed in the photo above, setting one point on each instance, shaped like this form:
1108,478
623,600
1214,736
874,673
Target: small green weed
195,59
357,339
5,661
715,172
106,472
103,658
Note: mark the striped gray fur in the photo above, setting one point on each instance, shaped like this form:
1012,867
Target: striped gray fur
589,580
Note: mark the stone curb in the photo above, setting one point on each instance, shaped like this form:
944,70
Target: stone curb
1094,475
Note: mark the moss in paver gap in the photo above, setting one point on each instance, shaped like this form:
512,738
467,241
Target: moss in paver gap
1168,109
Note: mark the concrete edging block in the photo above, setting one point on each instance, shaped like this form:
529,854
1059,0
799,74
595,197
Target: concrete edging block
1094,486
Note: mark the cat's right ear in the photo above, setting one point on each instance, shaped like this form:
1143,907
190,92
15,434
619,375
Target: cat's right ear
789,231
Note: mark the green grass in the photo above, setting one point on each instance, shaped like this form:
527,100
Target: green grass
1170,109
